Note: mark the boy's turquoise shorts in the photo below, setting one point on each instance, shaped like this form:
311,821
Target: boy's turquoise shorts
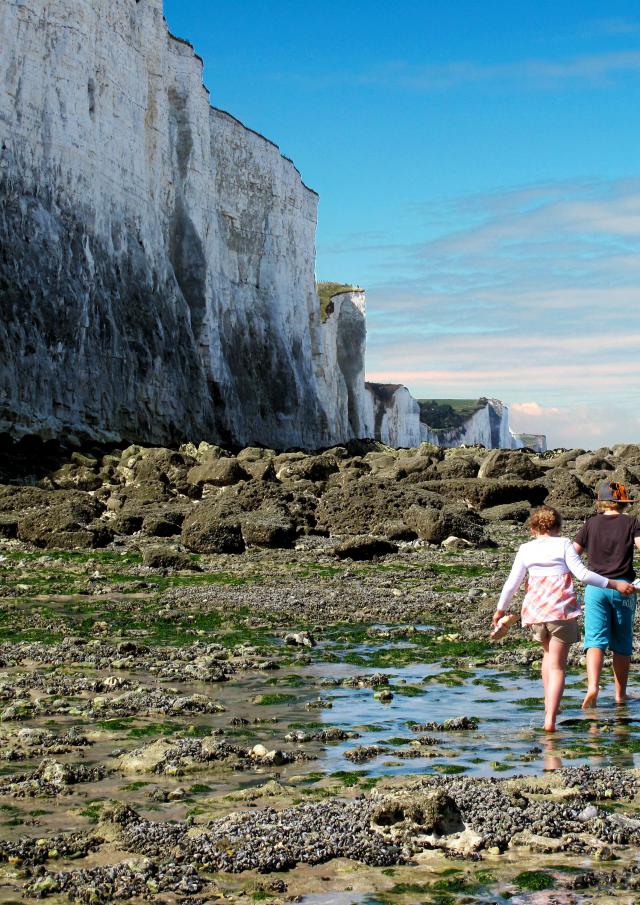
608,620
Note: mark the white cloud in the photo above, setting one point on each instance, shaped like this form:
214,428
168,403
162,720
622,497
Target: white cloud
533,296
595,68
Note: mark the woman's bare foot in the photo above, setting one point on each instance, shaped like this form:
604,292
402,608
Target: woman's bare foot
590,699
549,726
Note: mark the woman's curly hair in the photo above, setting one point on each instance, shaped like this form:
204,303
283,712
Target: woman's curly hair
544,519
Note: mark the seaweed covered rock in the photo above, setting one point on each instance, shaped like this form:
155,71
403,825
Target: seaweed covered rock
501,463
435,525
365,547
63,520
218,472
425,813
166,558
203,532
267,529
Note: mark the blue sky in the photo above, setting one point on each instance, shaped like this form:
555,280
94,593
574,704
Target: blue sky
479,175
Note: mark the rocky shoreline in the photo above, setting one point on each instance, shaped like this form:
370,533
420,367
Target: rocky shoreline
281,688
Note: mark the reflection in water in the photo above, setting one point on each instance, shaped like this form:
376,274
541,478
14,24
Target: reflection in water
552,759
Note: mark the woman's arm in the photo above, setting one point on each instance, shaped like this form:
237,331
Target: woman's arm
516,577
583,574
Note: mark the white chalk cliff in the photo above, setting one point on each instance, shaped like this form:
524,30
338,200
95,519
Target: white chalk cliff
394,417
156,256
488,425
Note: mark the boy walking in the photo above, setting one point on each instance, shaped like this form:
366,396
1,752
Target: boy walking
609,538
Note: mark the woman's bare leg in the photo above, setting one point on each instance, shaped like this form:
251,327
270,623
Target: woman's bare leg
556,671
544,669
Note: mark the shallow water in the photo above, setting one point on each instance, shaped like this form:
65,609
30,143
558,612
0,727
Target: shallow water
509,736
508,740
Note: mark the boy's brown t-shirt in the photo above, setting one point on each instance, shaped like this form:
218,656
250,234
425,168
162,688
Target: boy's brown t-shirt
609,542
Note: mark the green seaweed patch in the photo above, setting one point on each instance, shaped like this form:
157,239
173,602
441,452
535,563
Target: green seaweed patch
199,788
310,778
92,811
489,683
528,703
485,877
349,777
423,649
270,700
408,691
116,725
401,889
135,786
534,880
292,681
460,569
452,885
450,769
153,729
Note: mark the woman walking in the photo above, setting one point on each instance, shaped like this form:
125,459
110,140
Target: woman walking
550,607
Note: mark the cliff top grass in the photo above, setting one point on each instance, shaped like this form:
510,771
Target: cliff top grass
326,291
447,414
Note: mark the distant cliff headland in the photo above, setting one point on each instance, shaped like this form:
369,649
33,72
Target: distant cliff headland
157,258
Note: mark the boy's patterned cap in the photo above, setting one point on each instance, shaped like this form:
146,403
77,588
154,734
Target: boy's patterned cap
614,492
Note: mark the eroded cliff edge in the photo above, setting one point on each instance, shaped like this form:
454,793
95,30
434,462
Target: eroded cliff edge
156,256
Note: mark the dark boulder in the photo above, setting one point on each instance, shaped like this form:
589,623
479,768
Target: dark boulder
166,558
363,548
76,477
490,492
264,529
204,532
165,525
127,523
503,463
508,512
219,472
311,468
436,525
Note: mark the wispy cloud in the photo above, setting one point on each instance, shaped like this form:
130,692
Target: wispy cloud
532,293
592,69
614,26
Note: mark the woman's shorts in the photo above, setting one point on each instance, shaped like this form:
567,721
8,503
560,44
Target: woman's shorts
563,629
608,620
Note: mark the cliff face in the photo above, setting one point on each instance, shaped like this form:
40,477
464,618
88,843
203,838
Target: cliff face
340,361
488,425
156,256
392,415
537,442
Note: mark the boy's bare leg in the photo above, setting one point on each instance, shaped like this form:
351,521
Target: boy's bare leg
595,659
556,670
621,666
